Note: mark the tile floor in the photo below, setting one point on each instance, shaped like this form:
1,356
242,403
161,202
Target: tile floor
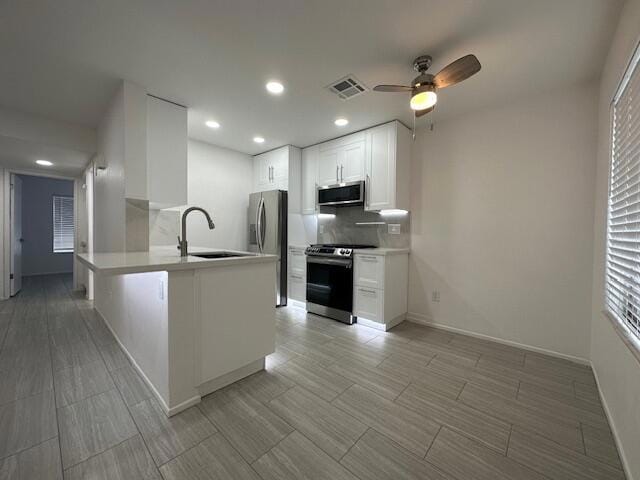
335,402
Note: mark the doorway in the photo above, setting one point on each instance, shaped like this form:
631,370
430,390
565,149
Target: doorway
41,227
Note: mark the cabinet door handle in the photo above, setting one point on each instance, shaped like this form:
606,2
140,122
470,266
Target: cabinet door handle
367,182
337,170
341,173
364,290
299,277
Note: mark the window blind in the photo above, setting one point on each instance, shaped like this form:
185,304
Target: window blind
622,285
62,224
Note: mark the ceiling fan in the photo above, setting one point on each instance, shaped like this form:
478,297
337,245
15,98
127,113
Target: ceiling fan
424,87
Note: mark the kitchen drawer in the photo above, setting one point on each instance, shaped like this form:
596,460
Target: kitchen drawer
297,287
369,271
369,304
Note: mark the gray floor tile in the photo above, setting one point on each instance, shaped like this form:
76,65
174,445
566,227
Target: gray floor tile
387,383
27,422
265,385
457,416
33,378
558,366
212,459
493,382
99,332
402,425
74,355
403,365
72,333
315,352
331,429
77,383
169,437
463,458
128,460
375,457
599,444
564,431
92,426
315,377
133,388
113,356
556,462
247,423
297,458
578,411
41,462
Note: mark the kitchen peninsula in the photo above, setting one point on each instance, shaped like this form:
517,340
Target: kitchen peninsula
190,325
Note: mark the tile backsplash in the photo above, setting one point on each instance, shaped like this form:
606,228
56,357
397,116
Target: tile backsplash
354,225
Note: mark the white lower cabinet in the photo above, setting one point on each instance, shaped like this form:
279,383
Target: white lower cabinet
297,275
369,304
380,289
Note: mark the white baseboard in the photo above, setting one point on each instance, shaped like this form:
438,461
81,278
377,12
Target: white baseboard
426,320
168,411
614,430
381,326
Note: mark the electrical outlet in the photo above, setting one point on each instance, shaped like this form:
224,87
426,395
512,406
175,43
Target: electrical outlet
435,296
393,228
320,228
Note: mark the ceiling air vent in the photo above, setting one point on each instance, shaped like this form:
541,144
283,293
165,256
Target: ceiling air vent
347,87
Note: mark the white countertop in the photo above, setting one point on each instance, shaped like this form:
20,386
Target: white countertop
381,251
163,259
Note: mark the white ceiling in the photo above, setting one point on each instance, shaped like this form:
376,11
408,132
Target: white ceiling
18,154
63,59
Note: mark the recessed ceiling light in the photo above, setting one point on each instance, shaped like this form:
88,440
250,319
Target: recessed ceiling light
341,122
258,139
275,87
44,163
212,124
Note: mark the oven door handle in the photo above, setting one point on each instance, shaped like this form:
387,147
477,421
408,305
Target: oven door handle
341,262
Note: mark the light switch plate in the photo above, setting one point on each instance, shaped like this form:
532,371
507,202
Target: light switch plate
321,229
393,228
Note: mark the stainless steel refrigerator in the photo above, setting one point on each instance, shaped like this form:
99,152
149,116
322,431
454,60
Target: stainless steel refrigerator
268,233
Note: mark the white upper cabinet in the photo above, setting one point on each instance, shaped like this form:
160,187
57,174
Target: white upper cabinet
387,167
342,160
328,166
352,164
309,179
166,153
279,169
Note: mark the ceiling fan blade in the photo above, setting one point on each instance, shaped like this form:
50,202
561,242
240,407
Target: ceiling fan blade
420,113
392,88
457,71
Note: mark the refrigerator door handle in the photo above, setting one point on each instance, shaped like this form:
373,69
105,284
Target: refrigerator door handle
260,232
263,226
259,225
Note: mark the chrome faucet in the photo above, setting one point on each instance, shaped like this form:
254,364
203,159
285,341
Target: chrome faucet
182,242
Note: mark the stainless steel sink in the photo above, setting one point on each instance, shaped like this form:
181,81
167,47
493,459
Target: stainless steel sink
220,254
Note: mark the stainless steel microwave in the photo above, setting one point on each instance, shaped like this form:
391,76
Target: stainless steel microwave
350,193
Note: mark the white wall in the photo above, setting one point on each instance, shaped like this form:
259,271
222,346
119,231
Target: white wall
219,180
502,206
617,370
37,226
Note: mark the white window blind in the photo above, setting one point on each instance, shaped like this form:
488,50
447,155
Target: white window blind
622,285
62,224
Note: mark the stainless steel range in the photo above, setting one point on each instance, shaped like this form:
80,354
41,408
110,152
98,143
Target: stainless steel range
330,280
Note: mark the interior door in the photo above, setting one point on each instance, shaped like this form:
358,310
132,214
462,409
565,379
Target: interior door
352,162
16,234
328,173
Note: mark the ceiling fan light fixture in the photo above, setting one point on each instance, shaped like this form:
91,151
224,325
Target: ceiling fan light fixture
424,97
